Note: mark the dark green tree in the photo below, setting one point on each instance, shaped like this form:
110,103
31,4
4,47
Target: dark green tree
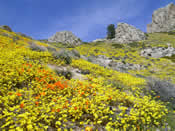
111,31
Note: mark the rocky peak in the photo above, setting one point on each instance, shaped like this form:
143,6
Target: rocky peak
126,33
65,37
163,19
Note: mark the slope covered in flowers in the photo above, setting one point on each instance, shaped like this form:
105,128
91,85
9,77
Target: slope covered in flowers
33,97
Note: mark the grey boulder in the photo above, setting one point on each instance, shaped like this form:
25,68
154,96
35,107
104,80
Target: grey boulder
65,37
126,33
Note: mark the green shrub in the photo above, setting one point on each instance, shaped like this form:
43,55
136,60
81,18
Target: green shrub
67,74
36,47
134,44
51,49
117,45
63,55
172,58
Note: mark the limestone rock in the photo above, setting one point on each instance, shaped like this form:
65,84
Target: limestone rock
65,37
99,40
163,19
158,52
109,63
126,33
5,27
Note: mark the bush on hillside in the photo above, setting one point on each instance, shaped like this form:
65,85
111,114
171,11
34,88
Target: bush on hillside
51,49
75,53
67,74
36,47
134,44
63,55
117,45
171,33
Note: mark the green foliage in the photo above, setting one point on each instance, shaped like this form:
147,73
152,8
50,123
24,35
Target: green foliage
117,45
36,47
63,55
134,44
111,31
171,33
172,58
67,74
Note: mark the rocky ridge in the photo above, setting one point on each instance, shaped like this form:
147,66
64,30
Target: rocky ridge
65,37
163,19
126,33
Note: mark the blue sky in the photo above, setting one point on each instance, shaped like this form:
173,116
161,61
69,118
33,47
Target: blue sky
87,19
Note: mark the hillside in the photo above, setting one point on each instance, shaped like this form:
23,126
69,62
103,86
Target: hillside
33,96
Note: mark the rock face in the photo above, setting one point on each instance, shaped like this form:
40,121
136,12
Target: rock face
65,37
127,34
5,27
109,63
163,19
99,40
158,52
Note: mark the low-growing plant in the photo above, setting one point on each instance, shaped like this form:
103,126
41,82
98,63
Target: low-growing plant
117,45
172,58
134,44
36,47
67,74
51,49
63,55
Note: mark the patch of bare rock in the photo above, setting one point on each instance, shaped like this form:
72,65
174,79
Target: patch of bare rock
158,52
65,37
163,19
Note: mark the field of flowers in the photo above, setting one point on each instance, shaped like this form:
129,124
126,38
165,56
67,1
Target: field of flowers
33,97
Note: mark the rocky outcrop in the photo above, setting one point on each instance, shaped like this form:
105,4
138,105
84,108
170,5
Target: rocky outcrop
110,63
126,33
158,52
99,40
65,37
5,27
163,19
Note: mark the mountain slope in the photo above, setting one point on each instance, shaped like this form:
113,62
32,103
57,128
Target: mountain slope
33,96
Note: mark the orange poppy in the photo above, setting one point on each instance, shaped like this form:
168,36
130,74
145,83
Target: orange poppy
18,94
88,128
36,102
58,110
21,105
87,103
158,96
37,97
43,93
10,93
53,110
75,108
